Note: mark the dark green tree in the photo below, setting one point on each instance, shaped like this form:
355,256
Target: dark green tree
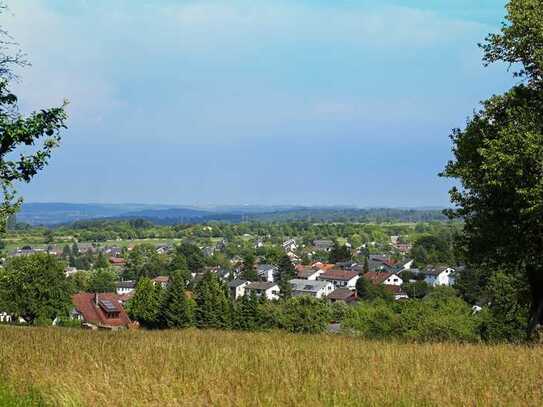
498,160
144,261
34,288
339,253
102,281
101,261
178,264
248,271
193,256
306,314
286,273
213,307
144,307
367,291
176,309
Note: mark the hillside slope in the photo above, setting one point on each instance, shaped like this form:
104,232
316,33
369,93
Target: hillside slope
230,368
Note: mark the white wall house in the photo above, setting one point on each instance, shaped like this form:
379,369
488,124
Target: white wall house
266,272
264,289
393,279
237,288
340,278
317,289
308,272
125,287
440,276
290,245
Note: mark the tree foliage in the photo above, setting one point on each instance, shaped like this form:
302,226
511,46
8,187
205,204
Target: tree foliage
34,288
213,307
498,159
144,307
177,311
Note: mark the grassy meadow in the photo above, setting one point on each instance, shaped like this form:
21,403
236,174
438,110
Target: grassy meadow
191,367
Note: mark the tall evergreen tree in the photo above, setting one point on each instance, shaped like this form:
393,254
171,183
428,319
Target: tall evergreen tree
339,253
286,273
213,307
249,268
176,310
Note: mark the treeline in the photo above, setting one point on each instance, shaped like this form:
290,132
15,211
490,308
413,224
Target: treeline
305,231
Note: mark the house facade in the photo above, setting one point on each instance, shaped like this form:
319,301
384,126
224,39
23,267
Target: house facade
440,276
340,278
317,289
265,289
236,288
125,287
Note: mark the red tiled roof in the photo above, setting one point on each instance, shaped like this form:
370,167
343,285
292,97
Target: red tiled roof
117,260
323,266
342,294
162,279
85,304
339,275
377,277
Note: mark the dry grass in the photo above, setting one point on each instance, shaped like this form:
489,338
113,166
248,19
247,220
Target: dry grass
192,367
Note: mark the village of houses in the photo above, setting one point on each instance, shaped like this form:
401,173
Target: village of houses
332,282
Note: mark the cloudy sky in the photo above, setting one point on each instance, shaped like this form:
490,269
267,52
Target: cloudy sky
262,102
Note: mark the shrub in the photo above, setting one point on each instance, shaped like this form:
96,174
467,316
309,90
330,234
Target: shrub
376,320
305,314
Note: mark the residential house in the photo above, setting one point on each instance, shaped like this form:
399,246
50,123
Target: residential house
163,249
208,251
103,310
125,287
237,288
343,295
117,262
267,272
317,289
163,281
397,292
308,272
264,289
341,278
384,277
443,275
290,245
323,245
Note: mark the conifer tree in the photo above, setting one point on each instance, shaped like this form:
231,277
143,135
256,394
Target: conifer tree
176,310
286,273
249,270
213,307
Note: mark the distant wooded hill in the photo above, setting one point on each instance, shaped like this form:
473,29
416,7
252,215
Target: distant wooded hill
61,213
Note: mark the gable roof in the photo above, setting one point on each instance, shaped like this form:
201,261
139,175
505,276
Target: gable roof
236,283
260,285
342,294
436,271
93,307
377,277
341,275
310,286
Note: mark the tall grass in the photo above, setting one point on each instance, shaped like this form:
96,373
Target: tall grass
196,368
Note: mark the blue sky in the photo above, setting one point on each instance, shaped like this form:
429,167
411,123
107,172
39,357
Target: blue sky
254,102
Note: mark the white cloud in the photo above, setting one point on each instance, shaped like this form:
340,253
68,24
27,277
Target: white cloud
221,62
